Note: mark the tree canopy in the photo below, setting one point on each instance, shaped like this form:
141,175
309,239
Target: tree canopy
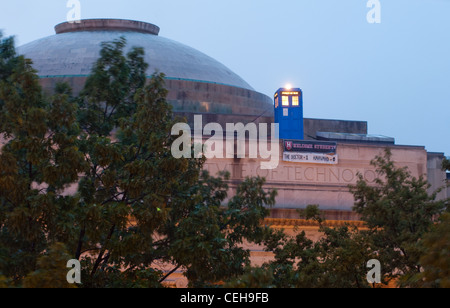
398,211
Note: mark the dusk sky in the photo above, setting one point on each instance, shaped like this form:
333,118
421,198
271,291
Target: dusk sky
395,74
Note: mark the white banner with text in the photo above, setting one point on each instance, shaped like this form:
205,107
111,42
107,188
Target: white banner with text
313,158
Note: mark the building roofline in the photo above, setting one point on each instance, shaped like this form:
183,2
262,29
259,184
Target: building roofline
107,24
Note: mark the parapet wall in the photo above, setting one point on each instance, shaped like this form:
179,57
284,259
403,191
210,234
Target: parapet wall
303,184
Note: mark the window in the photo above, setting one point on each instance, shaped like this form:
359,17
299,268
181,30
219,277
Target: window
285,101
276,102
295,101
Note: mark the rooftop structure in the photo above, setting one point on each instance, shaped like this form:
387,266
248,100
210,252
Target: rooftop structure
196,82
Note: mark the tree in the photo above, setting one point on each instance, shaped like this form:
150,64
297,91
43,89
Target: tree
208,241
446,164
436,260
8,58
337,260
398,212
132,175
51,269
38,161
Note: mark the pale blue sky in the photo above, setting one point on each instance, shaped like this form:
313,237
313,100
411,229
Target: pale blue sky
395,75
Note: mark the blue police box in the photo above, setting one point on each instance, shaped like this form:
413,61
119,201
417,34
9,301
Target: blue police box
289,113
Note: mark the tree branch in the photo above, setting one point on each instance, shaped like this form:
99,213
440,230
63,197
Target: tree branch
102,252
80,243
169,273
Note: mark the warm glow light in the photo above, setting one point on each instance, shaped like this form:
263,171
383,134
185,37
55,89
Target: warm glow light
288,86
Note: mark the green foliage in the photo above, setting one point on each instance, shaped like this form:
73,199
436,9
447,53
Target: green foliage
39,160
435,260
337,260
133,176
398,211
312,212
8,57
208,242
51,270
109,92
446,164
253,278
344,253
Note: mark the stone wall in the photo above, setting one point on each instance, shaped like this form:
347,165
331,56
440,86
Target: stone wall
436,176
195,97
302,184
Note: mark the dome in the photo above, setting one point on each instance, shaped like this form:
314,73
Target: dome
77,46
196,82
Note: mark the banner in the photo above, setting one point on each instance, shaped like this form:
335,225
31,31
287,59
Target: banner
310,146
312,158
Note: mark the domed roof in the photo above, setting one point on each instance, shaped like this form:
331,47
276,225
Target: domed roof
76,47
